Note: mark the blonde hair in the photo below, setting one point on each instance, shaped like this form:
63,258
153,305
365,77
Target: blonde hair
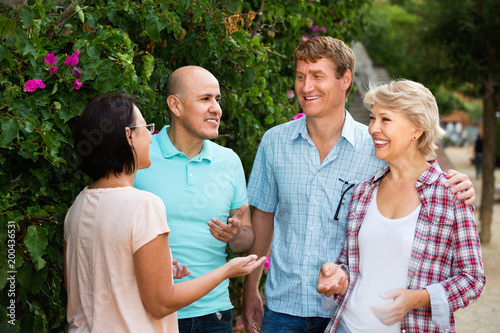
417,103
330,48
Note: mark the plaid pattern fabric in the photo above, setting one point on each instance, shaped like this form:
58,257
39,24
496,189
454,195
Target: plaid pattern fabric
289,179
446,248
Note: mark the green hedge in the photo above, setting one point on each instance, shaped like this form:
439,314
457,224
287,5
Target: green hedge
129,46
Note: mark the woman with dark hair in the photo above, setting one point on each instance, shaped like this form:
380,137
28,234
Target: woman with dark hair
117,263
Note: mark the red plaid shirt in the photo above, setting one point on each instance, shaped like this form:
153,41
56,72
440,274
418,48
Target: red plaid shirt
446,248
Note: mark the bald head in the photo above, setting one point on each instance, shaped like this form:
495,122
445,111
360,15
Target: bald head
193,104
184,79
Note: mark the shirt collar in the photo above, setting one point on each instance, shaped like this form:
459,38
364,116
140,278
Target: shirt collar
348,130
429,176
168,150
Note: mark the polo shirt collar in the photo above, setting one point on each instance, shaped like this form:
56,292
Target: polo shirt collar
168,150
348,130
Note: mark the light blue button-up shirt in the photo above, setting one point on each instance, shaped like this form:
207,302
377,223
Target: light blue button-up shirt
289,180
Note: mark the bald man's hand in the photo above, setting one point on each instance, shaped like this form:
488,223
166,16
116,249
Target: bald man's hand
238,231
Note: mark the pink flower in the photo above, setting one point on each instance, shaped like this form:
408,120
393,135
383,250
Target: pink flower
73,59
53,70
156,132
77,72
77,84
267,264
314,28
298,116
341,23
32,85
50,59
333,11
323,30
304,38
290,93
310,20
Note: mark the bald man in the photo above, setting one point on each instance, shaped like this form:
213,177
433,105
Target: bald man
201,184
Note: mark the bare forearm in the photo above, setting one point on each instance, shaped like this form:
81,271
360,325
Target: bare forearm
184,293
421,299
243,240
263,226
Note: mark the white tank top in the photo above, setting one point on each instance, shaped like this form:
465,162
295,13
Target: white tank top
384,257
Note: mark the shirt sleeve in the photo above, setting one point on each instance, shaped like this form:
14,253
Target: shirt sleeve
262,186
240,195
439,306
328,303
467,273
149,221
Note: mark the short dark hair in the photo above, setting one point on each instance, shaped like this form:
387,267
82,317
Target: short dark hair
100,139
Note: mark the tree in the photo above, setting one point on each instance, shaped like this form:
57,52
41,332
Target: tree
56,55
463,36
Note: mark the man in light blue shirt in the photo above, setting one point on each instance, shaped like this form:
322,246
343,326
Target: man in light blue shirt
199,182
301,185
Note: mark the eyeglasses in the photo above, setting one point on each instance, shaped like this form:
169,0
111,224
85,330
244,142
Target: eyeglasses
150,127
345,188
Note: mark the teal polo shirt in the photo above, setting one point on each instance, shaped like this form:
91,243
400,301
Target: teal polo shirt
194,191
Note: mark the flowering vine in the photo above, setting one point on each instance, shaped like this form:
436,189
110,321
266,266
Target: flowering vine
315,29
50,59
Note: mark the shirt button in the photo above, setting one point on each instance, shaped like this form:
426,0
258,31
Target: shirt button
317,174
314,201
308,254
311,228
306,280
403,331
190,174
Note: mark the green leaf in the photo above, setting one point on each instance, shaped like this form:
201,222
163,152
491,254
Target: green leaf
39,263
92,19
29,124
30,279
41,10
154,25
25,44
27,15
79,13
109,76
28,149
5,26
198,10
149,66
36,241
10,128
2,51
249,77
65,114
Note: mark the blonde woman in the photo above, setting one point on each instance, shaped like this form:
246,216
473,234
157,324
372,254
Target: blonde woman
412,254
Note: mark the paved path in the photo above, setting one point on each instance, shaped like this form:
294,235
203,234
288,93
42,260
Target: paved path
483,316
